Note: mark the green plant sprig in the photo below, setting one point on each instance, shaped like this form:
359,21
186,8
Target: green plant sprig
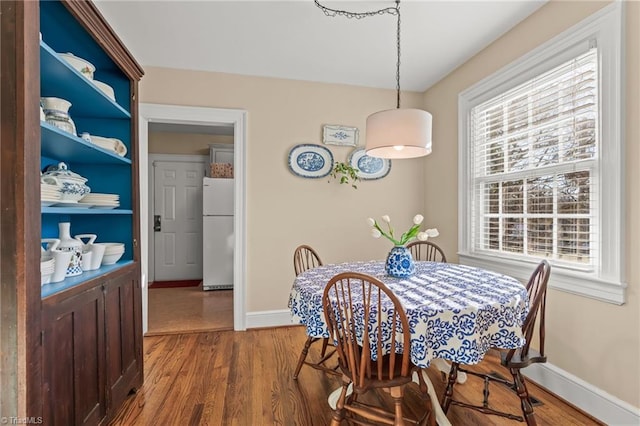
345,174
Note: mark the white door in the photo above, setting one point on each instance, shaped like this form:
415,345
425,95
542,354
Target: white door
178,220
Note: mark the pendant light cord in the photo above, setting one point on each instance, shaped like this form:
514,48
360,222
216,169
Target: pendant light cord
398,61
359,15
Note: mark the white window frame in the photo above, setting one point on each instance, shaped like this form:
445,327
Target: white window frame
605,28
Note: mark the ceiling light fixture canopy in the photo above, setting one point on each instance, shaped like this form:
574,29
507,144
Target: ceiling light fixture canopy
394,133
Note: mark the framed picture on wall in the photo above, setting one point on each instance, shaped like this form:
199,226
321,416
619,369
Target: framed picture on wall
339,135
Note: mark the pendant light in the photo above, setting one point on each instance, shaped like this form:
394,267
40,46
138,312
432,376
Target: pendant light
394,133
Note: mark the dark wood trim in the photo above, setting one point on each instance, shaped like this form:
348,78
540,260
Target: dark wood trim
20,154
92,20
135,170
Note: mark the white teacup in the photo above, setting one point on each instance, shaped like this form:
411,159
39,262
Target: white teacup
97,253
62,261
86,260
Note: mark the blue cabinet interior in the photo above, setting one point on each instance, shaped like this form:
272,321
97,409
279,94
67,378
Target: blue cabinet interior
94,113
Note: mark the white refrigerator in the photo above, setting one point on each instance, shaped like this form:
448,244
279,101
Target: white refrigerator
217,233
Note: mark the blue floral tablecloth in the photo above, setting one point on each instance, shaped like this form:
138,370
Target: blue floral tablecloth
455,312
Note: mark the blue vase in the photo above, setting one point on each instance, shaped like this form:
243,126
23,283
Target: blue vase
400,262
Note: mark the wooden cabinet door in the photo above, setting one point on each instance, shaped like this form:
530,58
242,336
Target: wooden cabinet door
73,360
123,337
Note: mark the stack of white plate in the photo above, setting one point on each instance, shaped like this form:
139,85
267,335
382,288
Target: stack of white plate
112,253
49,194
47,265
101,201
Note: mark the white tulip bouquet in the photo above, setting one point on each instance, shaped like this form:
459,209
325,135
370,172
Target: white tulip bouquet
410,235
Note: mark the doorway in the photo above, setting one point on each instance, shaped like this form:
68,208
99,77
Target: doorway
176,196
151,115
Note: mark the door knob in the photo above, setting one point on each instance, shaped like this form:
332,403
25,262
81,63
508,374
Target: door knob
157,223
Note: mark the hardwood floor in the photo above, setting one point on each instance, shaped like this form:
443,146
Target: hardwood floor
244,379
188,310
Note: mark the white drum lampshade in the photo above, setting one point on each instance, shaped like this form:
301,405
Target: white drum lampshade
398,133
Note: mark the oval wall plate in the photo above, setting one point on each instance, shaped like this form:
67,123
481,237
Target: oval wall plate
369,168
310,161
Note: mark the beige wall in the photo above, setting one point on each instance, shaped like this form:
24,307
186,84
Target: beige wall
284,210
596,341
184,143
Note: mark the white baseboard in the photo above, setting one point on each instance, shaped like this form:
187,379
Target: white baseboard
598,403
594,401
263,319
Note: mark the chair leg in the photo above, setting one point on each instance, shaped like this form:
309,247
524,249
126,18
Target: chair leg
523,393
448,393
396,394
303,356
338,414
325,343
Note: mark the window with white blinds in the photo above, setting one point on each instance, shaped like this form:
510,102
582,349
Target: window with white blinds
534,153
541,162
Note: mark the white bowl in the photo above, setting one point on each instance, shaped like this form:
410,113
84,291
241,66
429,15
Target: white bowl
46,261
48,270
110,259
106,89
83,66
45,278
113,249
113,246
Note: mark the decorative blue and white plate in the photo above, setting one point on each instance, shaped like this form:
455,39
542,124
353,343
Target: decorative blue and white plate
369,168
310,161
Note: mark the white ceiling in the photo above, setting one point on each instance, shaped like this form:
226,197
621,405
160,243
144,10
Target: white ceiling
294,40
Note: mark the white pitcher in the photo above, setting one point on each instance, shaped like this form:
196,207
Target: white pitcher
71,245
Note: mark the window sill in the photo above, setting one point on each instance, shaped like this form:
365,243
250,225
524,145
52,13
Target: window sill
561,279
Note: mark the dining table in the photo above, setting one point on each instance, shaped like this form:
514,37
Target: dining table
455,312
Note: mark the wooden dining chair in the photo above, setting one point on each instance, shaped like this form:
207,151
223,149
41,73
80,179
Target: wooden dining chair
426,250
304,258
353,303
513,359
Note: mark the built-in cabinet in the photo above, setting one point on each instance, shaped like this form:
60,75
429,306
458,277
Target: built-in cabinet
80,339
92,343
74,364
123,337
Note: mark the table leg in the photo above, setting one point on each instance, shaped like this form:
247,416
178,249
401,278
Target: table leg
444,367
441,418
